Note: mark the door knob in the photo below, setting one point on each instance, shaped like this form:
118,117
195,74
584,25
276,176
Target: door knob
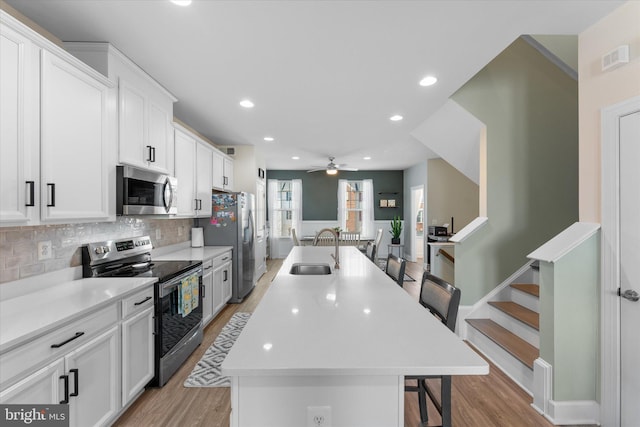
630,295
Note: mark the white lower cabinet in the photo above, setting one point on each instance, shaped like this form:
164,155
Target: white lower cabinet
40,388
137,354
216,283
207,292
97,364
94,382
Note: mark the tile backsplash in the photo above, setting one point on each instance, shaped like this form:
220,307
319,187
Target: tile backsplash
19,245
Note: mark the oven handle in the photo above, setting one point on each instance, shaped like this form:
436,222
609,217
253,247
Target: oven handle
168,287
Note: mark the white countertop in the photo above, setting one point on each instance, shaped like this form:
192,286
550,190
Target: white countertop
28,316
194,254
356,321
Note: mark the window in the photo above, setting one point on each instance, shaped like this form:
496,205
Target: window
285,206
355,206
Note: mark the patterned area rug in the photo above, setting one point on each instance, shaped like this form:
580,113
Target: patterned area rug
207,371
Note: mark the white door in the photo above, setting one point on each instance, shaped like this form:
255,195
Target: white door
137,354
40,388
185,151
629,268
204,163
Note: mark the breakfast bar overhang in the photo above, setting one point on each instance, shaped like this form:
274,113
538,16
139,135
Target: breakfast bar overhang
338,345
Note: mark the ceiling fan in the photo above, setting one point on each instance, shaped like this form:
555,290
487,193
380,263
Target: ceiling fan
331,168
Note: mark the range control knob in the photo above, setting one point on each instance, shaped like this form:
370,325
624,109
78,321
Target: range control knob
106,249
99,250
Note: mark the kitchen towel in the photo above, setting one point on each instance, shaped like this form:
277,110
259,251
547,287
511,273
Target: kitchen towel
188,295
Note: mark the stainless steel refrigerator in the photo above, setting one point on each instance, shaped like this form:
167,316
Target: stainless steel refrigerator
232,224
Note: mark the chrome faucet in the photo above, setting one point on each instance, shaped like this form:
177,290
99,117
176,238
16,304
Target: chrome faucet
335,257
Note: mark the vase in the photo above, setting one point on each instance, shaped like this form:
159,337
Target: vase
395,240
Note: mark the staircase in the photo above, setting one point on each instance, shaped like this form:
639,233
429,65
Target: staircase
506,328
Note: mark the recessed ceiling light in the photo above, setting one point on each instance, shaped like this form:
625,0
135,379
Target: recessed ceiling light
396,118
428,81
181,2
367,158
295,158
269,138
246,103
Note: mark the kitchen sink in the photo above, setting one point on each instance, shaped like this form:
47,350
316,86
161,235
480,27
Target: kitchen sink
310,269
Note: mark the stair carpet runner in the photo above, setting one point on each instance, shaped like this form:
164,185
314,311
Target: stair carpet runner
513,344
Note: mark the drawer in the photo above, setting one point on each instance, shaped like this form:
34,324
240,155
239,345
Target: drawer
207,265
137,302
221,259
29,356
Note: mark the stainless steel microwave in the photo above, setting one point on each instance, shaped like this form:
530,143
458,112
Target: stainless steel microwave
141,192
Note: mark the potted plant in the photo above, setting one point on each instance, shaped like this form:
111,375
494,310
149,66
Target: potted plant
337,230
396,230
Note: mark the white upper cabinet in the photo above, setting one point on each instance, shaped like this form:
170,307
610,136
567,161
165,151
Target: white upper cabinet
204,176
228,174
145,108
185,158
193,166
218,170
19,148
74,143
58,133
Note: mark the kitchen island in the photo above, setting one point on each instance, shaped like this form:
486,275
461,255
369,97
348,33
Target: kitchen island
337,346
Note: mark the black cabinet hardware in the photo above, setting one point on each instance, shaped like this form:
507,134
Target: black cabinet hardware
153,154
31,185
76,380
143,301
52,187
202,288
225,275
76,336
66,388
149,156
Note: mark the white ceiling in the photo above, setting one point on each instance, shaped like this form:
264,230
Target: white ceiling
325,76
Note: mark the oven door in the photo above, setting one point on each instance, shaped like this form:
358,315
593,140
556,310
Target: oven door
173,325
141,192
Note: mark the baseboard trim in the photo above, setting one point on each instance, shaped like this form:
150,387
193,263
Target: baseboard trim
573,412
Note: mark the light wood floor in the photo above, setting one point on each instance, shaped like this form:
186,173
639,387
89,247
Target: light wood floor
491,400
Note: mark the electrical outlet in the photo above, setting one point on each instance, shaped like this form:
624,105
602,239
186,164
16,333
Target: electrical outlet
158,234
318,416
44,250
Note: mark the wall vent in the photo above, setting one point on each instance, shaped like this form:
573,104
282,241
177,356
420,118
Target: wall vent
617,57
231,151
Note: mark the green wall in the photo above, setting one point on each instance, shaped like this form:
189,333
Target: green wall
530,108
320,192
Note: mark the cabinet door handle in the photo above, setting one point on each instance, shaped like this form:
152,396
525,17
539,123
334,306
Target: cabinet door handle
76,336
143,301
208,268
153,154
196,203
199,204
225,258
76,380
66,389
52,194
31,185
149,158
226,276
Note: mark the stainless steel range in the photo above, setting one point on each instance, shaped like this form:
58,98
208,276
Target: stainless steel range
176,334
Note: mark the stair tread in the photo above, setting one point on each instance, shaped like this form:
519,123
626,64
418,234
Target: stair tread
518,312
529,288
513,344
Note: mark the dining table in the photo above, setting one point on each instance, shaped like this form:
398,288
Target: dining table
337,344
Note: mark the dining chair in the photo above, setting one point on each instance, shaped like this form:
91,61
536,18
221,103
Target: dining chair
442,299
349,239
371,251
378,238
296,242
325,238
395,268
